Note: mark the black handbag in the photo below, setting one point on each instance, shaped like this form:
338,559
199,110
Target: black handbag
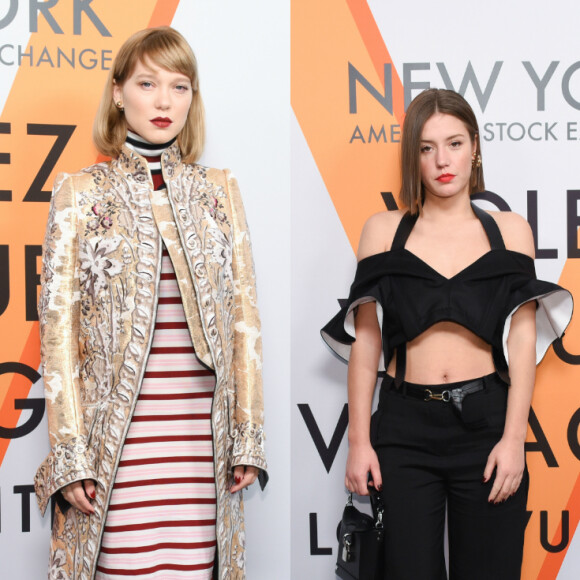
361,541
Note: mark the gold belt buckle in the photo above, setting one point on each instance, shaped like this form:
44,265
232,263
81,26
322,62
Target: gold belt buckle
444,396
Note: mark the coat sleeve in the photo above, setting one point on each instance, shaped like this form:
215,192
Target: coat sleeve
248,431
70,458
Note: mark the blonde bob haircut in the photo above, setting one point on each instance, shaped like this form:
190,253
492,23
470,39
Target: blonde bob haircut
166,48
424,106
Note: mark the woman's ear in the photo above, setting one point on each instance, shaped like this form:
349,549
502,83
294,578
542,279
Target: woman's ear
117,93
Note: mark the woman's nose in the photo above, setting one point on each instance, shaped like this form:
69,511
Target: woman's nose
163,100
442,159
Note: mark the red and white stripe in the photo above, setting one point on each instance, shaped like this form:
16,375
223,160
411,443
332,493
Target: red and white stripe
161,520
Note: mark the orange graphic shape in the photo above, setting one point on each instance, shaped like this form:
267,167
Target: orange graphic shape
553,562
163,13
52,95
373,40
556,400
354,173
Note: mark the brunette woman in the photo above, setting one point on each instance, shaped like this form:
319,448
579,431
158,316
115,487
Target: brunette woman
150,339
445,297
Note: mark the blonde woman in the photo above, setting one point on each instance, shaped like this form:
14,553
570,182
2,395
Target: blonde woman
150,339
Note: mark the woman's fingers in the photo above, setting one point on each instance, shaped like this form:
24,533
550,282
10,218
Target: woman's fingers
489,467
361,463
508,460
90,489
244,475
75,494
361,485
376,478
357,482
500,489
504,486
516,485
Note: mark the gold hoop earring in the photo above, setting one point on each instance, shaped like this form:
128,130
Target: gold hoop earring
476,161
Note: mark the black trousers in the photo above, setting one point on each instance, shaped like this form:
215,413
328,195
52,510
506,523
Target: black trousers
432,462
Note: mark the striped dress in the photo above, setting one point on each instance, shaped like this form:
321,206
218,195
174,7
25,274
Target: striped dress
162,514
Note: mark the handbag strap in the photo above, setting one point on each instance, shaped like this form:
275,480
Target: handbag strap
377,506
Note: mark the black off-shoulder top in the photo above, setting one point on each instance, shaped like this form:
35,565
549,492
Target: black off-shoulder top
411,296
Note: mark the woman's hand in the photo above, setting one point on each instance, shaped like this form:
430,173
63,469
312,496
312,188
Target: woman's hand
78,494
244,475
361,461
508,460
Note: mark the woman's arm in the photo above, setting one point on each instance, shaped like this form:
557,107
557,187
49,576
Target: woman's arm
362,379
508,456
248,448
71,459
363,366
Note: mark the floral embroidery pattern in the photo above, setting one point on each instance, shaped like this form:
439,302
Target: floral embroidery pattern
100,216
96,265
215,210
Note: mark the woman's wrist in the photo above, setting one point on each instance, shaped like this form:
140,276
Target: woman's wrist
358,438
517,435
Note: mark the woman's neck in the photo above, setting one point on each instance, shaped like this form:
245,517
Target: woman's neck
447,209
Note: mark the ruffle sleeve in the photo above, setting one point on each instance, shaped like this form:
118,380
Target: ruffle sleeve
553,312
339,333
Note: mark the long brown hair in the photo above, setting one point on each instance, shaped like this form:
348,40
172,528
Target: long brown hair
423,106
166,48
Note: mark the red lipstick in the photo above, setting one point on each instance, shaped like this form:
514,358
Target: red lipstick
445,177
162,122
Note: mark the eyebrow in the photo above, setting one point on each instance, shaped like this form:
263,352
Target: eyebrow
152,73
446,138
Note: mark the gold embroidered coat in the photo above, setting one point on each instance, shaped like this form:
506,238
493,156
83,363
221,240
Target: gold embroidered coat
102,263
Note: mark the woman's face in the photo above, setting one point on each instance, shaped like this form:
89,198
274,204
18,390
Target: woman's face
446,156
156,101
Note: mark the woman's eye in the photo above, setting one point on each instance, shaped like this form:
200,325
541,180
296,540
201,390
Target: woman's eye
456,144
182,88
146,84
426,148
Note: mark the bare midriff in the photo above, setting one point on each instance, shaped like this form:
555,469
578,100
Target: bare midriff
446,353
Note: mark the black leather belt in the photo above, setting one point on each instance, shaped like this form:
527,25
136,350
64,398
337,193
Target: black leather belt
440,393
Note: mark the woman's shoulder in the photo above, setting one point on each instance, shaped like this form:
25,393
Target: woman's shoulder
378,232
84,174
516,232
213,174
216,177
67,183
